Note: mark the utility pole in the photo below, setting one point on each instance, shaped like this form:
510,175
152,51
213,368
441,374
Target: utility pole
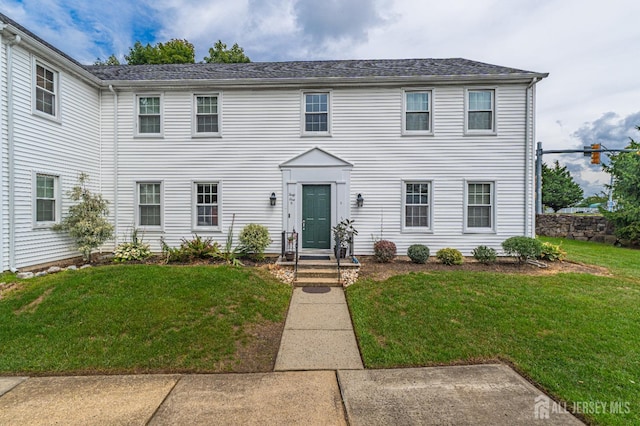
593,151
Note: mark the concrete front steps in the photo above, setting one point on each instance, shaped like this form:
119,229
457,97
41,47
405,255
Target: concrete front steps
320,273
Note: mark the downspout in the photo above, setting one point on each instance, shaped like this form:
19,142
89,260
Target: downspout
115,164
528,136
11,154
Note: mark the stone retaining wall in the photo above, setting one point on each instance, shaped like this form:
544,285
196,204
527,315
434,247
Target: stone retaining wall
575,227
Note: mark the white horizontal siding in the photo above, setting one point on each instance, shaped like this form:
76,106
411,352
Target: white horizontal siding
64,148
261,129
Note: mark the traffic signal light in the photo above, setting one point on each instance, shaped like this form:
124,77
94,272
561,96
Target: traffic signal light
595,156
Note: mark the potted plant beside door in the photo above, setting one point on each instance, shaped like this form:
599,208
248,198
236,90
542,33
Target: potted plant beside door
343,234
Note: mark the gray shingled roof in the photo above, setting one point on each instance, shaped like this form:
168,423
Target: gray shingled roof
368,68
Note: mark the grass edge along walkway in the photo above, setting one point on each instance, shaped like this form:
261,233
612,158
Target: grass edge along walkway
140,318
575,335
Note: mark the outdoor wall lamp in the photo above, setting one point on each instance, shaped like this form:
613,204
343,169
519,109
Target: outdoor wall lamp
272,199
359,200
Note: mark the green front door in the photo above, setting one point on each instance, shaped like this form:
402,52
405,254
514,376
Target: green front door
316,216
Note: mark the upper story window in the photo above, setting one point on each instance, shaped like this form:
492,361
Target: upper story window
149,110
206,120
480,206
417,206
417,112
481,111
46,90
46,199
316,113
150,204
206,205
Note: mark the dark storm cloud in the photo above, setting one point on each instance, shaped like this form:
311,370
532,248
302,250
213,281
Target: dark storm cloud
609,130
337,19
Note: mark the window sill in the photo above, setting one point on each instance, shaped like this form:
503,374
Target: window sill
479,231
44,225
206,135
148,136
215,229
153,229
413,134
416,231
316,135
480,133
52,118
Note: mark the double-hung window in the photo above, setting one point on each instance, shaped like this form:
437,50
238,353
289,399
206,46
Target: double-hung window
480,206
417,205
149,110
46,203
150,204
481,111
206,210
46,90
206,120
417,112
316,114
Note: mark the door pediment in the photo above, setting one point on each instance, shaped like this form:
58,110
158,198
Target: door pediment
316,157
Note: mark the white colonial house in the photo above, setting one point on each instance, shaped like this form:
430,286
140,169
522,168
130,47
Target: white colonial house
439,151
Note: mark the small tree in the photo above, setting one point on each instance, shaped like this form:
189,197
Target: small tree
625,169
220,54
559,190
87,220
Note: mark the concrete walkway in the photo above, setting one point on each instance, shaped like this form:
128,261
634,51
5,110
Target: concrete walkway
318,334
335,389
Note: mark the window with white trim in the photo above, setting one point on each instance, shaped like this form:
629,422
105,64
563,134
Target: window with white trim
481,110
206,120
206,209
46,90
417,111
149,204
417,205
46,199
149,110
480,205
316,113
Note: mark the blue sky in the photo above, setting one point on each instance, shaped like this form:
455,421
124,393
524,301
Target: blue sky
590,48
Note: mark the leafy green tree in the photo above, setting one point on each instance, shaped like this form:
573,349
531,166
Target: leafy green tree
175,51
625,169
87,220
559,190
111,60
220,54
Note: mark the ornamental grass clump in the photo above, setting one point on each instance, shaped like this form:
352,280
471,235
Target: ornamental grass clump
449,256
418,253
384,251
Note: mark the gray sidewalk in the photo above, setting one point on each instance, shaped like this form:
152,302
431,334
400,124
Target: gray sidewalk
318,334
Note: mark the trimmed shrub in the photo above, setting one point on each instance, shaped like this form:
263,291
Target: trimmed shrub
449,256
418,253
552,252
384,251
485,255
254,239
522,248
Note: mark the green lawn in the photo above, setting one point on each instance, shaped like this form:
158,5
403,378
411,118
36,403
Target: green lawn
576,335
138,318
